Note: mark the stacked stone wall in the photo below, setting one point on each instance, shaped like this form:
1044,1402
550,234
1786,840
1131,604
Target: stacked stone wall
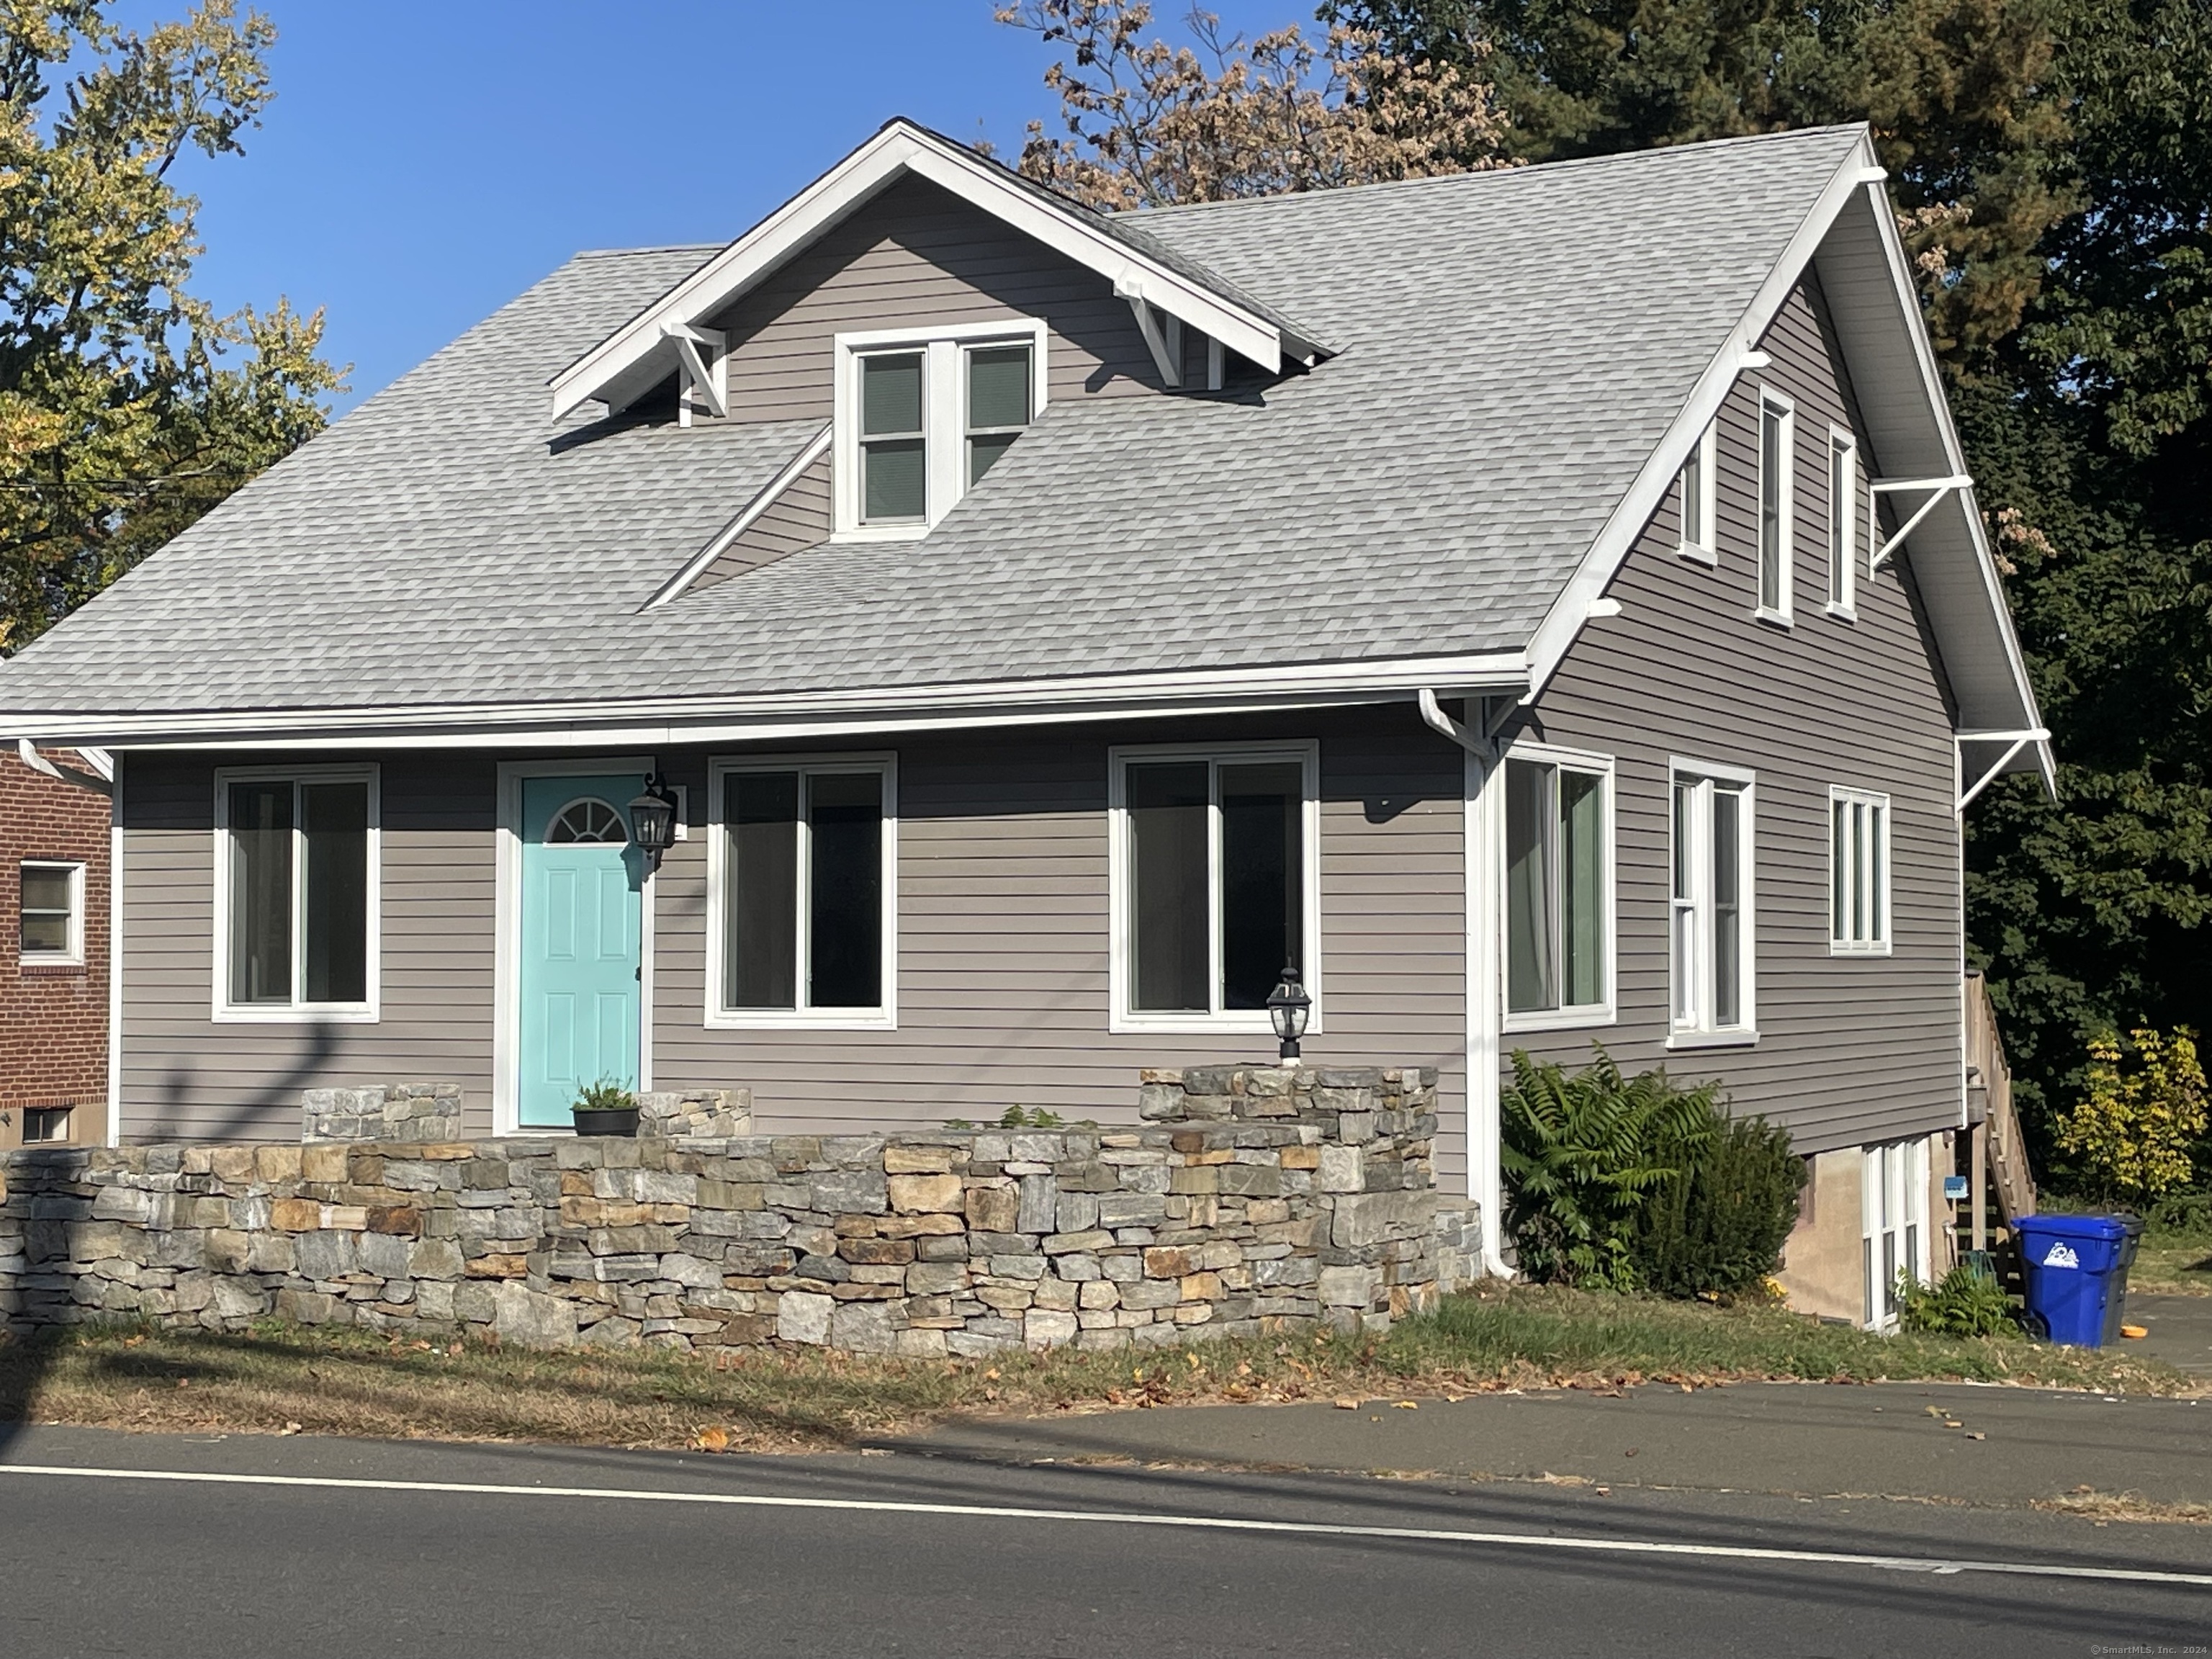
1252,1200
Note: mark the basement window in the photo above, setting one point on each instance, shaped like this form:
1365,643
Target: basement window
45,1123
920,417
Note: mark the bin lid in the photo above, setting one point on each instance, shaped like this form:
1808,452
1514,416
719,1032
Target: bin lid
2110,1228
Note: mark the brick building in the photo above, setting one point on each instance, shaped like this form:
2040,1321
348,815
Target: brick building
53,949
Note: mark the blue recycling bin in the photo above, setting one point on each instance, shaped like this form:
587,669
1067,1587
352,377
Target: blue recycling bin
2077,1275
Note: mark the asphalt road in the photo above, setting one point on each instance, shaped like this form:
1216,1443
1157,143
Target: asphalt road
250,1546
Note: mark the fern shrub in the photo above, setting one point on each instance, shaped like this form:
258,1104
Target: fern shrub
1966,1302
1584,1154
1716,1227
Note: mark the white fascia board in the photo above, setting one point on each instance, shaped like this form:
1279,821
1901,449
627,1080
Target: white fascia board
900,148
1564,622
1015,703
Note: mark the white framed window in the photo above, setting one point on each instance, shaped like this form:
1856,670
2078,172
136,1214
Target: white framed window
297,851
922,414
1858,873
1214,871
802,892
1695,495
1559,907
1844,496
1777,478
1894,1208
45,1123
51,912
1711,937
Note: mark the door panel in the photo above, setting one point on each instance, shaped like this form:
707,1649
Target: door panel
579,955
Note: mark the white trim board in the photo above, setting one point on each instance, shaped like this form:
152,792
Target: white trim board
507,913
786,715
631,358
768,495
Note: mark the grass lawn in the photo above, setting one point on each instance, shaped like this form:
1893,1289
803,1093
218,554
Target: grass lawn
283,1377
2168,1261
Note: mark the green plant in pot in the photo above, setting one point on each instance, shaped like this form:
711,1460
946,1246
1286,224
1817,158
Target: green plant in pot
604,1107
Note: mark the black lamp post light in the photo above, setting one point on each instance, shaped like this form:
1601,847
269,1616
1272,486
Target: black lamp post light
1289,1007
652,820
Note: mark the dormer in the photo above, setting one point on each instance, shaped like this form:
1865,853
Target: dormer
1183,322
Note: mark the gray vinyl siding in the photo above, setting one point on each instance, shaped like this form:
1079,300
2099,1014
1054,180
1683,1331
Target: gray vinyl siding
183,1074
918,255
1851,1050
792,523
1002,953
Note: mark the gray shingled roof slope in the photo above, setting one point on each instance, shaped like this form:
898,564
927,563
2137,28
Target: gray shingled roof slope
1512,345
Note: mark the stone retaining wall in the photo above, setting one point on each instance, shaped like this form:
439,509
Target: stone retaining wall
1251,1200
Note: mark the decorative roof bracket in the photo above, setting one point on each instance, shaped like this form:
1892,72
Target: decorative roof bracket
1163,333
1938,488
2016,741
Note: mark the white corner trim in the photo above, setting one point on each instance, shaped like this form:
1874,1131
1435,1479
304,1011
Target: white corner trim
770,493
114,1135
902,148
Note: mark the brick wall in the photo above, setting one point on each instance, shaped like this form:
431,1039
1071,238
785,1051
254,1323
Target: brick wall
54,1019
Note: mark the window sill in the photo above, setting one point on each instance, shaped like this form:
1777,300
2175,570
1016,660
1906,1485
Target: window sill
1838,948
1560,1020
881,533
295,1014
808,1019
1774,618
51,967
1697,554
1712,1039
1841,613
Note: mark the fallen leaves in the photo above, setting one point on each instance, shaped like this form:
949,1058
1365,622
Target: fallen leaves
713,1440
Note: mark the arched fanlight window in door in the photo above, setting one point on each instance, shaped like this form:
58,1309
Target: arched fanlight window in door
589,821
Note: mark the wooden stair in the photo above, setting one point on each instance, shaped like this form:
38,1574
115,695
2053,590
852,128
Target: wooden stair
1999,1155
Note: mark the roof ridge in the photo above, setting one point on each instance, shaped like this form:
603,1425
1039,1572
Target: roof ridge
1520,171
648,248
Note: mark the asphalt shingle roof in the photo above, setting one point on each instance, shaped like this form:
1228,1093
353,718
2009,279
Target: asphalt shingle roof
1510,346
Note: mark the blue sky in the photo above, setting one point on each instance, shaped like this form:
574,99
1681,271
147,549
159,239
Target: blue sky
423,162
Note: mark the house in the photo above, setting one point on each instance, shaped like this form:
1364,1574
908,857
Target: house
54,986
1545,607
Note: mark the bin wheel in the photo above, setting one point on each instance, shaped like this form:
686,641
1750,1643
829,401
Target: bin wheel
2039,1327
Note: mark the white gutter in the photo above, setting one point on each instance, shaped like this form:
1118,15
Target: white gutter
783,715
1486,1176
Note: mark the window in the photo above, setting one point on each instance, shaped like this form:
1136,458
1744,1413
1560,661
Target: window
1711,933
802,873
1893,1203
1695,499
296,876
1559,887
922,416
52,913
1842,522
1777,466
45,1123
1858,873
1214,873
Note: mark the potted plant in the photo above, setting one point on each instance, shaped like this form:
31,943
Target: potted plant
605,1108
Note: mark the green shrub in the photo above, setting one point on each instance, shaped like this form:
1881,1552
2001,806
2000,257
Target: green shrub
1966,1302
604,1096
1583,1155
1718,1225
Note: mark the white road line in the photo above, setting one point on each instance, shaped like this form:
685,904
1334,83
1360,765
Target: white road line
1935,1564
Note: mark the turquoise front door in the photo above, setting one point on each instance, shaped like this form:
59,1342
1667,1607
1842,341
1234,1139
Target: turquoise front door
582,916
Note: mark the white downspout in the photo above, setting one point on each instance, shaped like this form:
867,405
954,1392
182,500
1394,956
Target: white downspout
1486,1179
28,752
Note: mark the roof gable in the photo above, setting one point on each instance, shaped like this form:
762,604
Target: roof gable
643,350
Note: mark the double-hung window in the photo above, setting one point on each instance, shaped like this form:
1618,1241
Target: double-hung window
1711,950
1695,497
50,914
1858,873
1777,440
1894,1208
296,855
1842,522
922,416
1214,856
802,869
1559,887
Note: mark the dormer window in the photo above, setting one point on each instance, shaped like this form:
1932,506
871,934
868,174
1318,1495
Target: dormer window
921,416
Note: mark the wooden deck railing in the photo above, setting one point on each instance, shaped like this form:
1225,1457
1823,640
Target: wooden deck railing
2000,1156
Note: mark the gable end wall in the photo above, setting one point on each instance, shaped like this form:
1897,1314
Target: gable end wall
1851,1050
